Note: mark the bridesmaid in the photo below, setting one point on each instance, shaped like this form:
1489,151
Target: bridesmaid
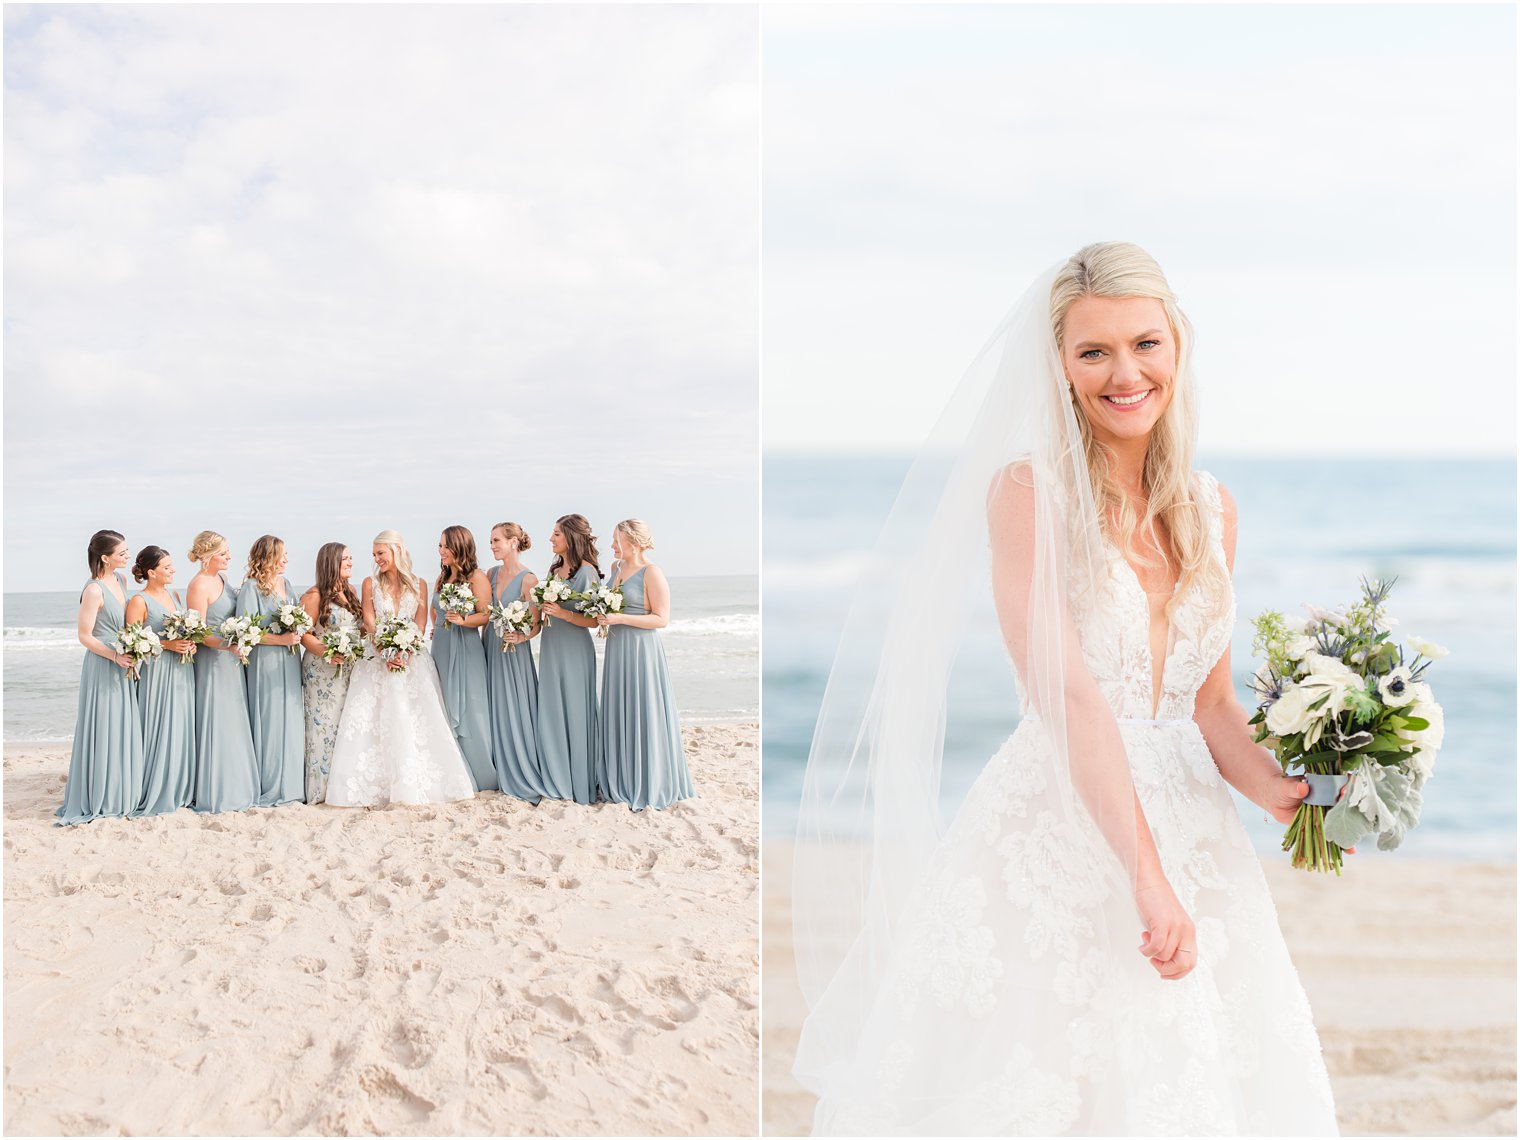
226,767
274,679
567,671
165,692
106,765
640,761
461,656
324,686
510,677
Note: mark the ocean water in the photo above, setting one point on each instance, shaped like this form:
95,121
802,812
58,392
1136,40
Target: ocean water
712,644
1308,528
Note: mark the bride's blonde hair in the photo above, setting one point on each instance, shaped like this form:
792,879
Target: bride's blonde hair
1122,269
401,558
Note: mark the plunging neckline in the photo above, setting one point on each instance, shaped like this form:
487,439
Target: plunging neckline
621,582
495,590
1157,695
395,604
121,601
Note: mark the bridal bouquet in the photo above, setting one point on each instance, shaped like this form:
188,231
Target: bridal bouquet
241,634
397,639
554,590
600,601
291,617
514,617
1343,703
457,598
185,625
343,644
139,642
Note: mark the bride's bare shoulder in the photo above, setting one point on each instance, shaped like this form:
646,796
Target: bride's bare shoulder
1010,500
1012,488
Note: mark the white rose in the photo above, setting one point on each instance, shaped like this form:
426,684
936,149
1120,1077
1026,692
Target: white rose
1428,648
1290,713
1331,669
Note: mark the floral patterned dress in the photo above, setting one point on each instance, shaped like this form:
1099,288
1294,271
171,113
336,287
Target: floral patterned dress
324,688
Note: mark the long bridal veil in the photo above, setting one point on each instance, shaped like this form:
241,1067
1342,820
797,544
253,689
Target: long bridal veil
1007,451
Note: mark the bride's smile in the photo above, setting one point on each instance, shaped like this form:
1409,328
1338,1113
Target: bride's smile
1120,358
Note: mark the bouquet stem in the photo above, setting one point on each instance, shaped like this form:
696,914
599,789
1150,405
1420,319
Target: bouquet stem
1305,837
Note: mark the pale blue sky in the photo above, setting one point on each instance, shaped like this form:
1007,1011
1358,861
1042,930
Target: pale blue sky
315,270
1331,190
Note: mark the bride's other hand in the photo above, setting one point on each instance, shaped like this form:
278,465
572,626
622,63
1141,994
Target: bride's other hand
1169,939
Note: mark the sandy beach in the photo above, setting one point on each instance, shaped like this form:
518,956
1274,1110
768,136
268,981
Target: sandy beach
471,968
1409,966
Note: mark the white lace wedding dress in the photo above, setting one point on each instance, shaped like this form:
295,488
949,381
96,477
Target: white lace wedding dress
394,742
1016,1002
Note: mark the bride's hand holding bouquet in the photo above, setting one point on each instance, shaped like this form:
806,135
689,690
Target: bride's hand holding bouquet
396,639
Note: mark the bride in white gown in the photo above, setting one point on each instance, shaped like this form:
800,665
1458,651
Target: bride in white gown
1090,947
394,742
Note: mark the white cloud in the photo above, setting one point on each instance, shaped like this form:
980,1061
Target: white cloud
380,234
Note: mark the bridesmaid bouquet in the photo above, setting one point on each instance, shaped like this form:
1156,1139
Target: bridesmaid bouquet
139,642
554,590
397,639
186,625
241,634
291,617
457,598
514,617
1344,704
600,601
343,644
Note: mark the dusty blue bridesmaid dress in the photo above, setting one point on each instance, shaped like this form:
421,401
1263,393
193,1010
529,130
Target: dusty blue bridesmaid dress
512,683
567,704
276,714
166,701
106,765
640,761
460,657
226,767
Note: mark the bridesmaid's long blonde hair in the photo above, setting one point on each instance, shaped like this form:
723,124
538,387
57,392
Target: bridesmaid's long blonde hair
264,562
401,558
1121,269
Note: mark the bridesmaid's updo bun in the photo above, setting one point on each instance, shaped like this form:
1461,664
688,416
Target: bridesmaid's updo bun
207,542
512,530
636,531
102,543
148,559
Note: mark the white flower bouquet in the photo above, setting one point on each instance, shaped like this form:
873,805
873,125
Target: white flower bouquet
600,601
241,634
397,639
554,590
1342,705
457,598
139,642
186,625
514,617
343,644
291,617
